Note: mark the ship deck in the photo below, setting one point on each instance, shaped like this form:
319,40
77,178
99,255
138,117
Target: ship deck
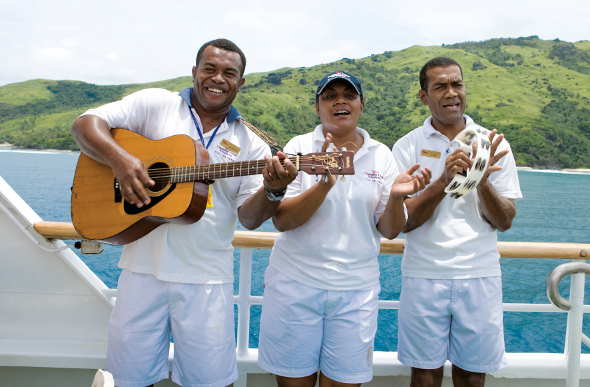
55,310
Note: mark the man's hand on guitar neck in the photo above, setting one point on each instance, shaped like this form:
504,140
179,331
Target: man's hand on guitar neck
263,205
277,175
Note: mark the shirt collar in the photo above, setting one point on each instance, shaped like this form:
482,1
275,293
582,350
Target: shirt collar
429,129
318,136
232,115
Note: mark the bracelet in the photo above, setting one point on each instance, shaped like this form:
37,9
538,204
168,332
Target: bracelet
274,196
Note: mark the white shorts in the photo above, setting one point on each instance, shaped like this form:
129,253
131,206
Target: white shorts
459,320
303,330
148,311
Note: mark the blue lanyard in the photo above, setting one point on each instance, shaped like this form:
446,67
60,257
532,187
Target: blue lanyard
199,129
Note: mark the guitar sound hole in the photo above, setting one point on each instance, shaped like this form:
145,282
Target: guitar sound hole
160,174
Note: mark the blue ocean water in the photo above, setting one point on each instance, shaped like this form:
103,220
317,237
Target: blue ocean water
555,208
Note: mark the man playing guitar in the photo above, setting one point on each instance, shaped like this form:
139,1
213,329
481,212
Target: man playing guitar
178,279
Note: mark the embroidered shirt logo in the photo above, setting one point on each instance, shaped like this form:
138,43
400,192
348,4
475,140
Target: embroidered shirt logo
374,177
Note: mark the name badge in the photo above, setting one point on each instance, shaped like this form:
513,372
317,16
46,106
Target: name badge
227,150
430,153
231,147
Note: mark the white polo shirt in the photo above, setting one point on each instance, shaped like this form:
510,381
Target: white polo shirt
199,253
337,248
456,242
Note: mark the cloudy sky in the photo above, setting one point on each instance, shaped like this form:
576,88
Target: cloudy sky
110,42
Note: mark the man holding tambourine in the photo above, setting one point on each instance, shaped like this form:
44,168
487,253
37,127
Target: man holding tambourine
451,300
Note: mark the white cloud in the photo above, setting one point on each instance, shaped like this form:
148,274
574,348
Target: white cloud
113,42
53,55
70,42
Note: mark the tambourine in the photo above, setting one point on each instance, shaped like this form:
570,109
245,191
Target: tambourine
464,182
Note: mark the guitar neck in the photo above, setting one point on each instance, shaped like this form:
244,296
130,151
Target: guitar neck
320,163
216,171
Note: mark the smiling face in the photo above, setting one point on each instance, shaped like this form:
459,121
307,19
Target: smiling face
339,107
446,98
217,79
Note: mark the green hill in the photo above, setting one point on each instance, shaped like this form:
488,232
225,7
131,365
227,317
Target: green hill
534,91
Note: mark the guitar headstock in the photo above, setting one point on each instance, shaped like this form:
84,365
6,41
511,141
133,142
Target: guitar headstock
325,163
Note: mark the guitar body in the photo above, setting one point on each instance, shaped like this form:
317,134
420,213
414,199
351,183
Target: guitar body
180,168
98,210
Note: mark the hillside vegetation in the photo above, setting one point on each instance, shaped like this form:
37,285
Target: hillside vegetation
534,91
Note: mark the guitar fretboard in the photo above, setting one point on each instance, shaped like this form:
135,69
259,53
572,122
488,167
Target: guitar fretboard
320,163
216,171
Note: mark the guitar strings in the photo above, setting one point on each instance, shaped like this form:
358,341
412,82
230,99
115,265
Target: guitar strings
257,162
228,166
165,173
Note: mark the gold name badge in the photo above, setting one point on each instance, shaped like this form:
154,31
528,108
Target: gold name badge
430,153
231,147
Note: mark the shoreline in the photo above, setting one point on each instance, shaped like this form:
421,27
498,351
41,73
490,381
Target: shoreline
576,170
9,146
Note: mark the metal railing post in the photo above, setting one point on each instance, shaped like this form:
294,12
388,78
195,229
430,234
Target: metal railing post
244,289
244,301
575,308
573,343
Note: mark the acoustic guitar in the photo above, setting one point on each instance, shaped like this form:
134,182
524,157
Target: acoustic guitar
180,168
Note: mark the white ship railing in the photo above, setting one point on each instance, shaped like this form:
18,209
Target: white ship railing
574,335
247,241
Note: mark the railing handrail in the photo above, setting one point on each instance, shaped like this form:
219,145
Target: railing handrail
265,240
